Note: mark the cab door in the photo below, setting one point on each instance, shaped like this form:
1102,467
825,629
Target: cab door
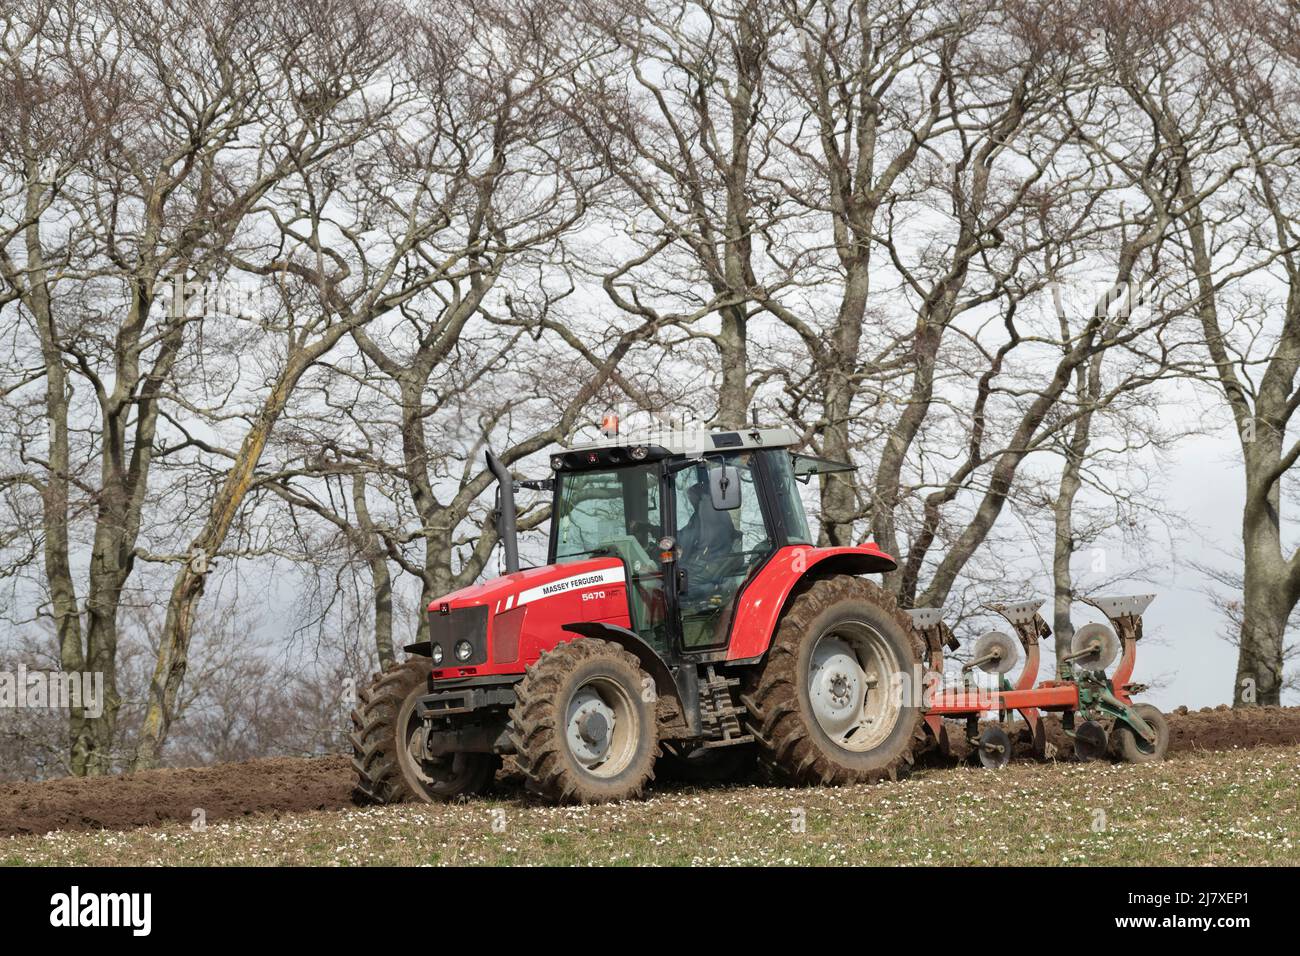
619,512
717,551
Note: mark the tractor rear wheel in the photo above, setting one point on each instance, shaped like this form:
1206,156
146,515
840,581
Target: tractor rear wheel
388,749
1136,750
583,724
833,702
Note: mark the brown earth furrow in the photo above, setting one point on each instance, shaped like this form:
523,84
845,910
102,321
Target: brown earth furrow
275,785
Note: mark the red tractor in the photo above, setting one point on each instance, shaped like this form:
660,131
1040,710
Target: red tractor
683,608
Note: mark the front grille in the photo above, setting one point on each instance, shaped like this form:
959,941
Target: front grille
460,624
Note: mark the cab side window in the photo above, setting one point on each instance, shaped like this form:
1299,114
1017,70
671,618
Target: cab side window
717,550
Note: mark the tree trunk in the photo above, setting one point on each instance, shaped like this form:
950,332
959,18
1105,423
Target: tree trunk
886,493
838,500
1088,385
1263,626
1268,591
182,606
97,735
380,581
84,736
733,394
1271,583
1063,552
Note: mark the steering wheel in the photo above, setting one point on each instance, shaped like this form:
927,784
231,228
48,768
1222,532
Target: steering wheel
644,533
731,564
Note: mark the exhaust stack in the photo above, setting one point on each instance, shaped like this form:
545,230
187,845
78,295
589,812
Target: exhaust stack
505,519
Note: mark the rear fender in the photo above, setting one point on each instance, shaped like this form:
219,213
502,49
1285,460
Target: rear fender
680,688
764,598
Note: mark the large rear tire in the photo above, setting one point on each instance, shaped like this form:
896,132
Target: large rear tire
833,702
386,750
583,724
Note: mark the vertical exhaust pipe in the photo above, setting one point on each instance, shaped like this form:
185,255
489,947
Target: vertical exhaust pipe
505,519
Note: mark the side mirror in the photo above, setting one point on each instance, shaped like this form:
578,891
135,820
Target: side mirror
724,487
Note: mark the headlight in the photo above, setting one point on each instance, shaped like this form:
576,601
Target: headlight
436,653
464,650
557,463
639,452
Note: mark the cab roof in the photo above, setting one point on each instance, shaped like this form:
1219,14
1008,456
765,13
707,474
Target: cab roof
694,442
643,448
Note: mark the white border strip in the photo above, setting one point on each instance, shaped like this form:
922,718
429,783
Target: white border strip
578,582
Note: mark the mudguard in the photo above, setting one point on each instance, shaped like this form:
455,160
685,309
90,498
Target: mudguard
759,605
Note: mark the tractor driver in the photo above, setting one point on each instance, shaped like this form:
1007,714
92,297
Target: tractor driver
709,536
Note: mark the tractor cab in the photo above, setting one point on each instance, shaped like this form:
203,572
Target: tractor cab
691,519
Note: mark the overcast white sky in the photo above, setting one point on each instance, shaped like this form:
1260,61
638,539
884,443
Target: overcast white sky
1206,486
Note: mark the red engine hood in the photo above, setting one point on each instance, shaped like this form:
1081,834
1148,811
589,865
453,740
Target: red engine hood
523,587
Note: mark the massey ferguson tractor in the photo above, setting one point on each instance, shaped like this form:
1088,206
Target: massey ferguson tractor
684,610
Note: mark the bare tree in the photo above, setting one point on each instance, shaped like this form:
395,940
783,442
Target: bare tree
467,179
872,86
1228,73
129,128
339,249
692,145
417,381
48,128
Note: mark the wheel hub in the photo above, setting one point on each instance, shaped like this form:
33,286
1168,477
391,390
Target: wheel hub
590,727
851,702
593,728
838,687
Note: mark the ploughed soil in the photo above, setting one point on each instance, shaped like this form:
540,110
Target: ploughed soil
285,785
150,797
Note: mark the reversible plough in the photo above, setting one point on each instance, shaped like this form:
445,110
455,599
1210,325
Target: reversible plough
1097,711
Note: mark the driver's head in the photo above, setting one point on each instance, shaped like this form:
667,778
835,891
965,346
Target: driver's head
695,492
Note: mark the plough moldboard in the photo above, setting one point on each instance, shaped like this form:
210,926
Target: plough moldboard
1097,710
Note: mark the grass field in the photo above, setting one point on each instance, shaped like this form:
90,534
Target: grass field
1238,807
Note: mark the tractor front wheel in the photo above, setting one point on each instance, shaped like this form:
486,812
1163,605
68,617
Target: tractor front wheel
833,701
388,745
583,724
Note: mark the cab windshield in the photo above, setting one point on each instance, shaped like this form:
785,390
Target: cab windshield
785,492
609,512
